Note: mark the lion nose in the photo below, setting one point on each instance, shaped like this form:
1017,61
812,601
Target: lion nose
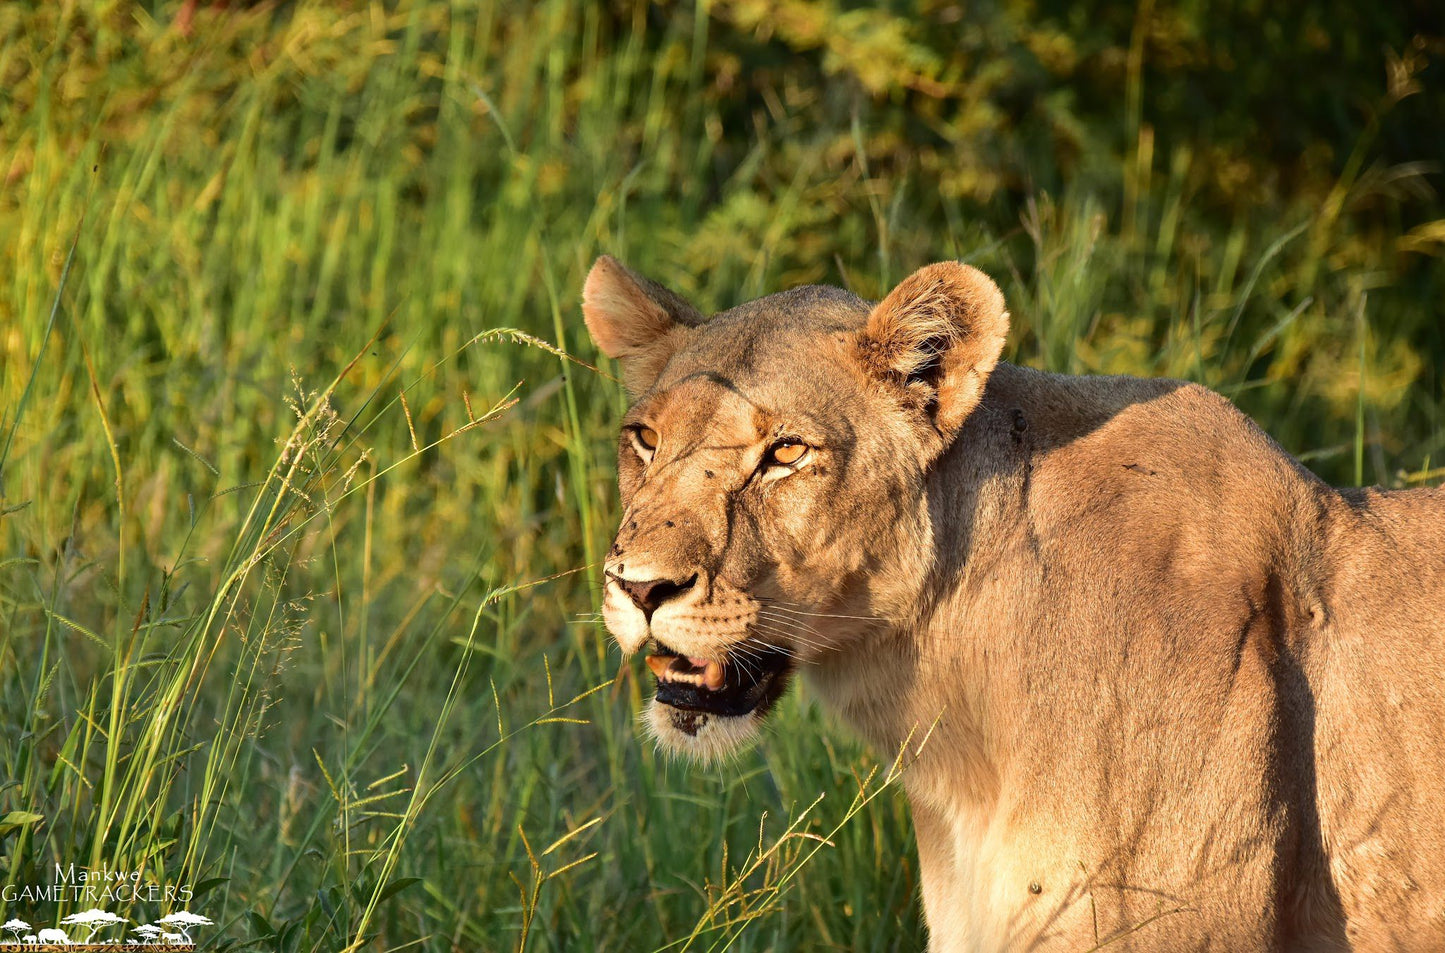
648,594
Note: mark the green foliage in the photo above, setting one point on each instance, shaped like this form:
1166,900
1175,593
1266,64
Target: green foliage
301,495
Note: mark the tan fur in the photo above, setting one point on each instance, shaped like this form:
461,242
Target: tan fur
633,319
1182,694
949,314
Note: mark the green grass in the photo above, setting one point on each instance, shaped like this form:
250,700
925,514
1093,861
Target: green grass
298,553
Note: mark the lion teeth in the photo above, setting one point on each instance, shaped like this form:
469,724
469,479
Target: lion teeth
704,673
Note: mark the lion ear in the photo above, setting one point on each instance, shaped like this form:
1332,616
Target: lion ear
937,336
636,321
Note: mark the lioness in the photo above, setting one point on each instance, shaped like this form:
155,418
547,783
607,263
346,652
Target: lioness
1182,695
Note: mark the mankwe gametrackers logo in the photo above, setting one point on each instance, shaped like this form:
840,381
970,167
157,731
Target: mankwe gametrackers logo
93,927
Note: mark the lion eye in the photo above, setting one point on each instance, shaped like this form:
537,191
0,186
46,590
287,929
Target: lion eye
644,441
787,453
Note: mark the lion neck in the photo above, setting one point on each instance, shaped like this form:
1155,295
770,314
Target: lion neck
957,578
964,590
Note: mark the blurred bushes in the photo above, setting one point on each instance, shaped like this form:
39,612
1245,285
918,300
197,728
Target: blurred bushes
1241,192
1244,193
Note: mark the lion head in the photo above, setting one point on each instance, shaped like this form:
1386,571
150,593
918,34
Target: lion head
772,470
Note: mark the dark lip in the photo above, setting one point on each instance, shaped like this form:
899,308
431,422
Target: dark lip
750,686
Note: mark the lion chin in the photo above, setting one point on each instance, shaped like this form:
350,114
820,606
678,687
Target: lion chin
699,736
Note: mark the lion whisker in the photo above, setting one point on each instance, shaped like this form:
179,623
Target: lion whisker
799,629
768,629
795,610
782,649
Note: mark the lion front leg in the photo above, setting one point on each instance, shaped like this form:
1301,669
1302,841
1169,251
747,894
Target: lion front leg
947,896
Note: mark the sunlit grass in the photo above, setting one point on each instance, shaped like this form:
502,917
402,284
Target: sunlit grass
307,466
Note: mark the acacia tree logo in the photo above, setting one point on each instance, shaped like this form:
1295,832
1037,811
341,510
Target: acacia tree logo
148,932
183,920
93,919
171,930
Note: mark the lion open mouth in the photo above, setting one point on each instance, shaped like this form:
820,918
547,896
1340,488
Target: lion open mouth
748,680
